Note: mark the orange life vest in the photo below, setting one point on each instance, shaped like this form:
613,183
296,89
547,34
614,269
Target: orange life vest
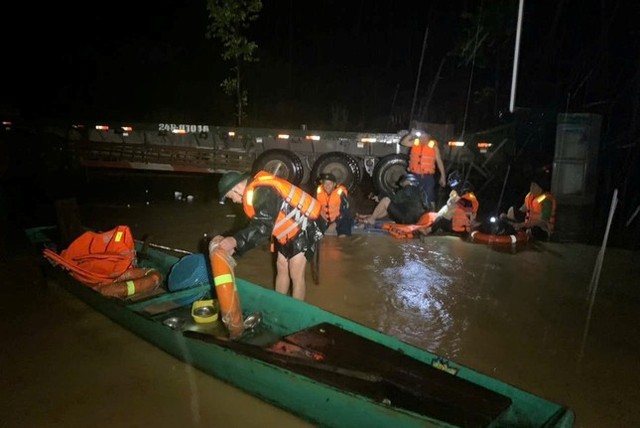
331,202
464,215
407,231
534,208
422,157
96,258
297,208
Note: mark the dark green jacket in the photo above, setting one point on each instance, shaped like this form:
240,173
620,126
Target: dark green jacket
267,204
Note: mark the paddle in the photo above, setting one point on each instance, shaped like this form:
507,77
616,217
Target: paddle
146,243
315,264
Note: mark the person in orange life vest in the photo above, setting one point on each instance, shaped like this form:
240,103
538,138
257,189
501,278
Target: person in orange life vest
468,205
334,200
537,213
278,210
405,206
458,215
424,157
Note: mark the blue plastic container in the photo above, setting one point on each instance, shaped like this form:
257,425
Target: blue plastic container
190,271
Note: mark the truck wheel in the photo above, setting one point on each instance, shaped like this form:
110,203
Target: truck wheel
342,165
281,163
388,171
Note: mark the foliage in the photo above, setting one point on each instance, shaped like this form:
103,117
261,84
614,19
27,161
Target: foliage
488,32
229,20
486,48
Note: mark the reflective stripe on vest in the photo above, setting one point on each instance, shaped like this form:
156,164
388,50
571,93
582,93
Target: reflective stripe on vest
534,208
287,225
422,157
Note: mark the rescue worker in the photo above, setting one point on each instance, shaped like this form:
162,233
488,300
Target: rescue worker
334,200
459,214
424,157
538,210
405,206
278,210
467,208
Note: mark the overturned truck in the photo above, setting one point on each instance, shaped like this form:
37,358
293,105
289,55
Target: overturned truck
299,156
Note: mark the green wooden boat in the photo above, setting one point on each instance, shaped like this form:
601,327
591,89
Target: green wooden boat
324,368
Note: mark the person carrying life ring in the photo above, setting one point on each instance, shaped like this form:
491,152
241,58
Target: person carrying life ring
278,210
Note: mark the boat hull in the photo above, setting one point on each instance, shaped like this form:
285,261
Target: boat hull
280,384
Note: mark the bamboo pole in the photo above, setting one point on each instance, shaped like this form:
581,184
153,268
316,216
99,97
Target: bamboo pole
595,278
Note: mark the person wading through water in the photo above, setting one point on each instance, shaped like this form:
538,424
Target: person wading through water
424,157
334,199
278,210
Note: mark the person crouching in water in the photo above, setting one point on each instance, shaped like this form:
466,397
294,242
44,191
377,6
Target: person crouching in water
278,210
405,206
334,199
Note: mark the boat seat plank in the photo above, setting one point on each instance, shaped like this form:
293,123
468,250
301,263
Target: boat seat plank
417,386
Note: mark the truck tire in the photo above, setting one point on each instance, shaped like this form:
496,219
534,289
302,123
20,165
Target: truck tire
387,172
343,166
281,163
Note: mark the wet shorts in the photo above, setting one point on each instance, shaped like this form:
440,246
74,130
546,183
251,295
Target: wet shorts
303,242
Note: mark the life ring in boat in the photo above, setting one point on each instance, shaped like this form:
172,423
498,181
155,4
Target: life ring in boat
503,240
132,281
227,292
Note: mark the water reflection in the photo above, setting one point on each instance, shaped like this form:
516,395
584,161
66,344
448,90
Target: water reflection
415,290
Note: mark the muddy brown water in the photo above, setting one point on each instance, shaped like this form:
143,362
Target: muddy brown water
525,318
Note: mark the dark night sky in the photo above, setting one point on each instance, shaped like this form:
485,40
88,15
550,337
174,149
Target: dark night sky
148,60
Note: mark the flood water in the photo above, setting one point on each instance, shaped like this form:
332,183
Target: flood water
526,318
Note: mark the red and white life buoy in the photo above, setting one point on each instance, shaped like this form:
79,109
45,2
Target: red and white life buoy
503,240
132,281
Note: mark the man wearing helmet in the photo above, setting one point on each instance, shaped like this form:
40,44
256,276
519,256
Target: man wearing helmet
405,206
424,157
334,200
278,210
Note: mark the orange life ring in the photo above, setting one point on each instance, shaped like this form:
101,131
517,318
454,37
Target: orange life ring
504,240
132,281
225,285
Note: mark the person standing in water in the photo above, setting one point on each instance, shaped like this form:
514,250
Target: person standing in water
278,210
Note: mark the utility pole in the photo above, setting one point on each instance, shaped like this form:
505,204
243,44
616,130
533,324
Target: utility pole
516,56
